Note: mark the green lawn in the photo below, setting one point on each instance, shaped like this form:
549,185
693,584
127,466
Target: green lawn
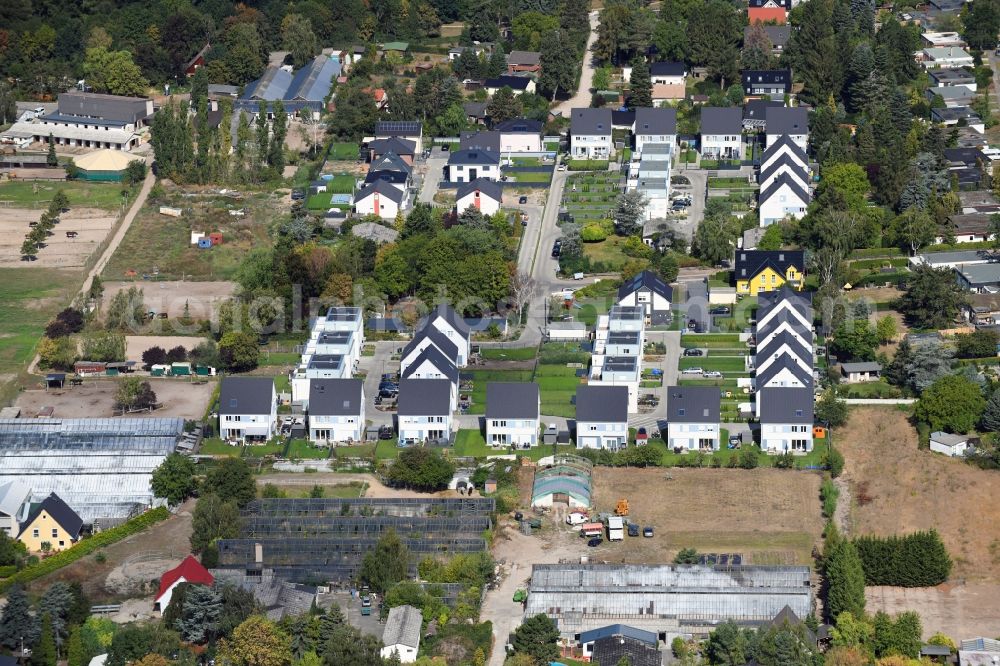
278,358
216,447
470,443
344,151
813,458
344,490
608,252
480,378
38,194
879,389
557,385
588,165
29,297
341,183
689,156
720,363
303,449
531,176
272,448
386,448
508,354
729,183
711,340
552,146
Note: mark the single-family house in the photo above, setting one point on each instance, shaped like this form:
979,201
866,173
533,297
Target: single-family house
14,506
335,343
669,81
190,571
466,165
979,278
769,270
382,198
783,371
770,83
524,61
953,76
483,194
512,414
410,130
517,84
754,113
428,337
480,140
768,11
655,126
952,96
784,156
51,522
949,444
192,65
403,148
520,135
783,198
967,228
423,411
949,38
778,35
651,176
401,636
786,420
946,56
693,418
721,133
248,409
648,291
336,410
783,323
616,632
444,318
792,122
601,417
475,112
862,371
392,169
953,115
590,134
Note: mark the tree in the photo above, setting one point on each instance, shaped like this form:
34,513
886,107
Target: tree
845,580
200,615
729,644
104,346
51,158
67,322
640,85
347,645
127,310
421,468
952,404
504,105
232,480
56,604
886,330
177,355
855,339
257,642
830,409
537,636
715,33
667,267
132,642
932,298
153,356
205,354
560,68
238,352
11,550
174,479
213,519
914,228
298,38
245,54
113,72
981,343
991,413
981,26
134,393
16,620
387,564
814,51
715,238
43,653
58,353
757,49
135,171
629,211
772,239
532,29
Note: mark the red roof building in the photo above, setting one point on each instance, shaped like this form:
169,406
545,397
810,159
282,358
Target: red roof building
188,571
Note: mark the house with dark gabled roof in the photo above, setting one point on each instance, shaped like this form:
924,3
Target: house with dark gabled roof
524,61
721,133
784,156
480,140
648,291
390,168
411,130
428,336
669,81
783,146
771,83
248,409
778,35
791,121
483,194
655,126
336,411
424,411
768,270
784,323
784,371
51,522
590,134
444,318
402,148
754,111
468,164
785,342
432,364
783,198
693,414
520,135
381,198
786,419
601,417
512,414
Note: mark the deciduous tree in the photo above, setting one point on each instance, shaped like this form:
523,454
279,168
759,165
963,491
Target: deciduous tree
952,404
232,480
387,564
238,351
174,479
537,636
257,642
213,519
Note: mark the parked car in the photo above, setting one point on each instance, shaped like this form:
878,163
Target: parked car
735,441
692,324
694,352
714,374
561,167
522,200
699,328
556,249
388,393
633,530
692,371
385,432
595,542
647,532
721,310
445,147
298,195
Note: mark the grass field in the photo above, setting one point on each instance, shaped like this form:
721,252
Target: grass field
720,363
531,176
278,358
557,385
505,354
303,449
608,251
480,378
470,443
588,165
344,151
730,183
29,297
216,447
712,341
33,194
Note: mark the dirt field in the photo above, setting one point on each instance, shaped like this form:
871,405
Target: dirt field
96,399
170,296
896,487
769,516
91,224
133,566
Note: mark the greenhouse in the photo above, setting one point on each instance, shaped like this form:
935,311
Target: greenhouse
665,598
566,481
100,467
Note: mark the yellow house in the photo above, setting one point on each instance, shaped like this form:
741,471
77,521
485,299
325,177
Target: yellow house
768,270
51,522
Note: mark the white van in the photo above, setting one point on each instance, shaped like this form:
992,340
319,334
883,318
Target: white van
577,518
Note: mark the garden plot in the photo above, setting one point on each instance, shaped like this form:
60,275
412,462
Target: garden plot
590,197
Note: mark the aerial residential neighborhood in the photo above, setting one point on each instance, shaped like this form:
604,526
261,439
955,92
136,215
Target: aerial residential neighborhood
499,333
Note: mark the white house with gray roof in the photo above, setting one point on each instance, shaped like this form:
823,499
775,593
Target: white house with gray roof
423,411
481,194
648,291
466,165
444,318
722,133
432,364
15,503
790,121
512,414
590,134
784,198
655,126
401,636
336,411
248,409
786,420
601,417
380,198
693,418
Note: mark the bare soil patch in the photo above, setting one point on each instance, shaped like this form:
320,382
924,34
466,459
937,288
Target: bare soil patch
959,611
170,296
96,397
90,224
375,488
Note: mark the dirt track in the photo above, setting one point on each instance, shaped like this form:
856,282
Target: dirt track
170,296
375,487
91,225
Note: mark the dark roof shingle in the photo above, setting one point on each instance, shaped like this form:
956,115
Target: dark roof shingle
246,395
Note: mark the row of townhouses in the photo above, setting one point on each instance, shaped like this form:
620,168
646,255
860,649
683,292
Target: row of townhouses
784,181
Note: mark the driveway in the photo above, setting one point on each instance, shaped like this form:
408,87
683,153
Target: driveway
698,179
582,97
376,366
433,175
657,419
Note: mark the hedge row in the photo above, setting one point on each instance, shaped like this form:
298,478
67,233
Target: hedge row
914,560
86,546
884,278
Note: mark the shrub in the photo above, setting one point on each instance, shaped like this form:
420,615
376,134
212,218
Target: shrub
749,459
828,493
914,560
593,233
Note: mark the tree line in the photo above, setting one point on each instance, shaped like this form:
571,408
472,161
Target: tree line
919,559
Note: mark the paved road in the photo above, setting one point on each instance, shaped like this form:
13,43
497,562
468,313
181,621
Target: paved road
686,226
376,366
995,64
582,97
433,175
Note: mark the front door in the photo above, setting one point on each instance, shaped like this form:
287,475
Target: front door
473,173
